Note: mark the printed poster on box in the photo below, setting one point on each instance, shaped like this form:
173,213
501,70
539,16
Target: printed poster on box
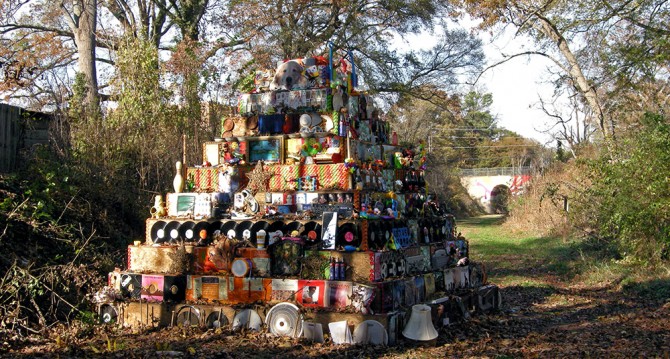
284,289
311,293
338,294
152,287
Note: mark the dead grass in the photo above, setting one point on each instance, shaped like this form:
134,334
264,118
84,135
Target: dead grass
542,210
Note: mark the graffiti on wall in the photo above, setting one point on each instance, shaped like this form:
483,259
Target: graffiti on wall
480,187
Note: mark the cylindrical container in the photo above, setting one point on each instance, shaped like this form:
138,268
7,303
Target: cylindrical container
264,124
278,124
260,239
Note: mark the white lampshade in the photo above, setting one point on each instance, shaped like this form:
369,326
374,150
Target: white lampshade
420,325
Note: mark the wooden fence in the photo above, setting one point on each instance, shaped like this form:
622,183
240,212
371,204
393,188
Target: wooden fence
20,129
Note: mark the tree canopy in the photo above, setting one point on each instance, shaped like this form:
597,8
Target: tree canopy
45,42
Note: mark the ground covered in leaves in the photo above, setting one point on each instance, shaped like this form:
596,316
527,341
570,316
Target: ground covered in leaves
557,302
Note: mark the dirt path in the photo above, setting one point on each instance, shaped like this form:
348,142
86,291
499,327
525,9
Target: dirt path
549,310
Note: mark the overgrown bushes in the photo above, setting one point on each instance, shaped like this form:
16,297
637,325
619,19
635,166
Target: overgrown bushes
629,199
620,199
67,216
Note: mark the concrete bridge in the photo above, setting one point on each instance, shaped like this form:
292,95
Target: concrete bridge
493,187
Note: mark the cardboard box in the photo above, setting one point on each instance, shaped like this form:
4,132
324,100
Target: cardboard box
130,285
338,294
249,289
311,293
162,288
284,290
150,259
207,288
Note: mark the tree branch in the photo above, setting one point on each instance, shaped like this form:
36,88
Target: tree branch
14,27
525,53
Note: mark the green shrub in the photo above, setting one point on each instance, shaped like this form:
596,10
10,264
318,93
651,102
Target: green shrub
629,199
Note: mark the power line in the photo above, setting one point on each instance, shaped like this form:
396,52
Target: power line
505,146
482,159
469,129
483,137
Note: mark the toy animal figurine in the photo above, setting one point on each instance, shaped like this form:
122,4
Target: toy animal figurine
158,210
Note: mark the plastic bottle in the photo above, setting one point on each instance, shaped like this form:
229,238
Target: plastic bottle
331,275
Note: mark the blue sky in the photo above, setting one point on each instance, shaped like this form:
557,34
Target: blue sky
516,85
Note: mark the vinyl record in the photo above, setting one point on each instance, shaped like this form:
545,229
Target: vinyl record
172,232
188,316
381,234
292,226
370,332
347,235
174,288
276,226
312,232
247,318
241,227
186,231
216,319
213,227
227,227
202,232
257,227
284,319
108,314
158,234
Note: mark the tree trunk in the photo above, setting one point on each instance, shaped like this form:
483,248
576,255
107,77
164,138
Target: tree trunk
85,21
589,92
